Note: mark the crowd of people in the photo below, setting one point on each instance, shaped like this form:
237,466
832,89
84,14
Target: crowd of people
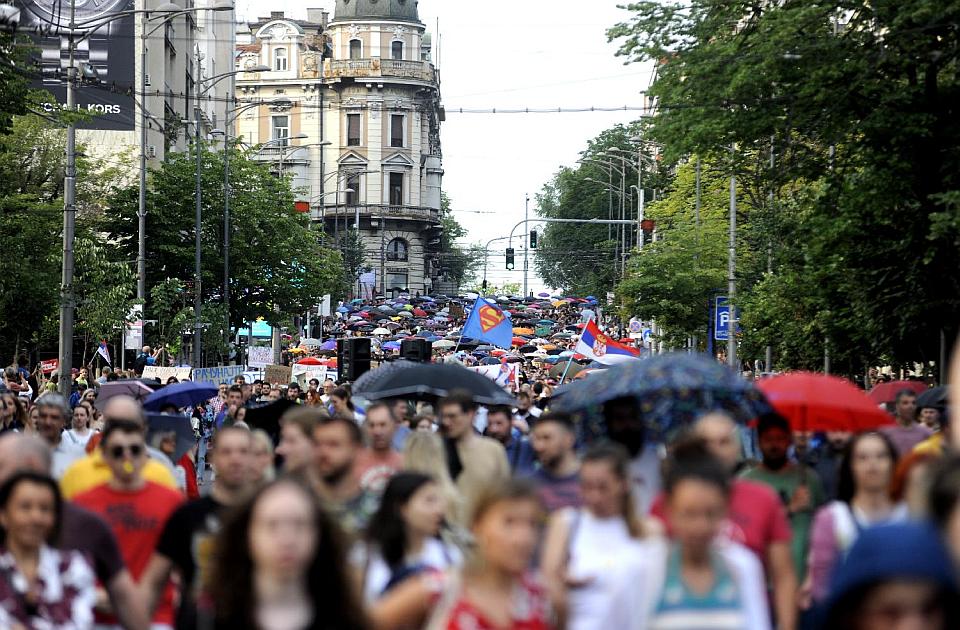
402,512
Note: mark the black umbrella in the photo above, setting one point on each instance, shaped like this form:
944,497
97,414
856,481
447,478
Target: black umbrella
167,423
429,381
935,397
267,417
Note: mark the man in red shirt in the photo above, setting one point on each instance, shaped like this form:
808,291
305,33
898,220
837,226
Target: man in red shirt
756,520
377,463
135,509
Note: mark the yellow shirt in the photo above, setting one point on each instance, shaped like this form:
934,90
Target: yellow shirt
91,472
933,445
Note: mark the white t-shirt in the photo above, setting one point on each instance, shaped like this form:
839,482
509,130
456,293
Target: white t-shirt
436,554
75,439
63,456
601,551
645,478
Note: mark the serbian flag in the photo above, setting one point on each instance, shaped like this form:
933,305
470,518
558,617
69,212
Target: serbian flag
602,348
104,352
489,323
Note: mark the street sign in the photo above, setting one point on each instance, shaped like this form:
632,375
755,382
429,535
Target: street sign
722,318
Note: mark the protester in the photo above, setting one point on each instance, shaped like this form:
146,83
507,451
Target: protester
52,415
228,415
134,507
558,476
79,432
11,413
378,461
187,539
297,439
520,453
863,501
340,401
338,444
425,453
693,580
404,536
293,392
625,427
474,462
944,504
586,550
494,590
263,455
40,586
907,433
825,460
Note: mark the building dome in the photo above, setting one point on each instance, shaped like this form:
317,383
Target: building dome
401,10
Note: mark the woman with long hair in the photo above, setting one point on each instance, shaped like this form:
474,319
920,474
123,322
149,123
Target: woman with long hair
11,413
424,453
587,549
863,500
404,536
494,590
341,402
280,564
40,587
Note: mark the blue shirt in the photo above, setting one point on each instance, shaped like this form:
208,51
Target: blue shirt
520,455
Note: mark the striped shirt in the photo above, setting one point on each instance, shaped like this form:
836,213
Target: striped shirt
681,609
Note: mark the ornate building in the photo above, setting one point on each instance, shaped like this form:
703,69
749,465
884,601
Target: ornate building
351,110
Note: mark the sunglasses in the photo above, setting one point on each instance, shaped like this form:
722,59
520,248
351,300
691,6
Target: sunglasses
117,452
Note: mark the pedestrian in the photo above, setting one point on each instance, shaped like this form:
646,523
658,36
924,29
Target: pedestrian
378,461
228,415
404,537
825,460
338,442
695,579
187,539
134,507
263,457
297,426
52,415
863,501
907,432
520,453
425,453
280,563
341,402
495,588
79,432
558,476
625,426
293,392
944,503
11,413
40,586
587,550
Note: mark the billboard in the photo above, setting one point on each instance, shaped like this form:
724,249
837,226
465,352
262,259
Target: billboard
108,52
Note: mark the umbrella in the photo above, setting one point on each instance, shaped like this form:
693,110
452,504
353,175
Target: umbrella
443,344
405,314
543,294
520,341
429,381
267,417
523,331
170,423
935,397
180,395
343,309
133,388
381,331
817,402
887,392
329,344
672,390
310,361
490,361
574,368
391,345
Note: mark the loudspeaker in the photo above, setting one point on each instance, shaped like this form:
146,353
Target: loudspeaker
353,358
418,350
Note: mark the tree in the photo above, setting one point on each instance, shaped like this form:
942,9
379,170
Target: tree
104,290
458,264
278,267
14,78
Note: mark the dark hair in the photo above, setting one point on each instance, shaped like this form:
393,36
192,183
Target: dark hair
461,398
693,460
381,405
771,422
846,486
353,429
293,385
387,529
122,425
344,393
904,392
28,476
564,420
945,491
617,458
235,389
329,583
500,409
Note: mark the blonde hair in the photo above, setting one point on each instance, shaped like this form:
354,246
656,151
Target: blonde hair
261,439
424,453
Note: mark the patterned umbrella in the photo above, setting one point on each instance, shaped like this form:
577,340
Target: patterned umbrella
672,390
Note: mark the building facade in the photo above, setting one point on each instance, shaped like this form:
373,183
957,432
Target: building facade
351,112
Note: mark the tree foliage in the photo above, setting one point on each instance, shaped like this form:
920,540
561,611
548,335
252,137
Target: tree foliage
458,263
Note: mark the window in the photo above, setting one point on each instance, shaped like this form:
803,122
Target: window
353,130
396,50
396,283
397,250
396,130
356,49
281,130
280,59
396,189
352,185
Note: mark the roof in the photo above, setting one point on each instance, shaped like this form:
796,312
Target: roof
400,10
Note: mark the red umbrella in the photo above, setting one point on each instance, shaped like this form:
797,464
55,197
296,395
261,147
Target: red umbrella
887,392
817,402
520,341
419,312
310,361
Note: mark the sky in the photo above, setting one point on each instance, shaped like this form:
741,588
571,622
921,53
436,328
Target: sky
514,54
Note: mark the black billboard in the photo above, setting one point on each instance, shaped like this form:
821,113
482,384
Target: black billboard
105,57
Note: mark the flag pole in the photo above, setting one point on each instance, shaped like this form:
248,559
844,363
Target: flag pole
569,363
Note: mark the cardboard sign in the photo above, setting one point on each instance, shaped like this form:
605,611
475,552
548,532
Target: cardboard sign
259,357
164,373
217,375
50,366
277,374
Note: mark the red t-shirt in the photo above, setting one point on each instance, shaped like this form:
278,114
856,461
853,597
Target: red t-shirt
755,520
531,611
137,519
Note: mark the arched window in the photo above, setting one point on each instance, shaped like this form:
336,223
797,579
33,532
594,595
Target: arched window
356,49
280,59
396,50
397,250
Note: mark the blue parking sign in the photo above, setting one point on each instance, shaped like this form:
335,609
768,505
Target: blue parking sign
722,317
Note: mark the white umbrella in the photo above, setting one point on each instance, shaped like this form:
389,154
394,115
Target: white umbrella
381,331
443,344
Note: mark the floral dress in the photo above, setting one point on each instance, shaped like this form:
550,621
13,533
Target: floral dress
530,607
61,598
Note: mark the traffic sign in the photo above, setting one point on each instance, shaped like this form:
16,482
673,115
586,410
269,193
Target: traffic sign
722,318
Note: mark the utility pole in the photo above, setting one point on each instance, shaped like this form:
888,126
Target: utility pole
198,218
732,266
226,226
526,243
768,355
69,225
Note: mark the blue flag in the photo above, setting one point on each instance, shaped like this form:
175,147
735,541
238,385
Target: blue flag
488,322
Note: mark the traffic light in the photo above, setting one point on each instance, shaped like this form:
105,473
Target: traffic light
484,285
510,258
533,239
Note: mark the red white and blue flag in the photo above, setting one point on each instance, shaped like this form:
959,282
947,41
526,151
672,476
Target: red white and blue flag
602,348
104,352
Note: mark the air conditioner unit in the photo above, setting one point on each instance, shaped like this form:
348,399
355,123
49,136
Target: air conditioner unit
151,151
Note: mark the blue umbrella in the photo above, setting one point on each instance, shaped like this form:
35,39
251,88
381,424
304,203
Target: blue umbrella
391,345
329,344
180,395
343,309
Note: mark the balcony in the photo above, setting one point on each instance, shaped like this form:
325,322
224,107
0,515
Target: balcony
379,68
376,212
